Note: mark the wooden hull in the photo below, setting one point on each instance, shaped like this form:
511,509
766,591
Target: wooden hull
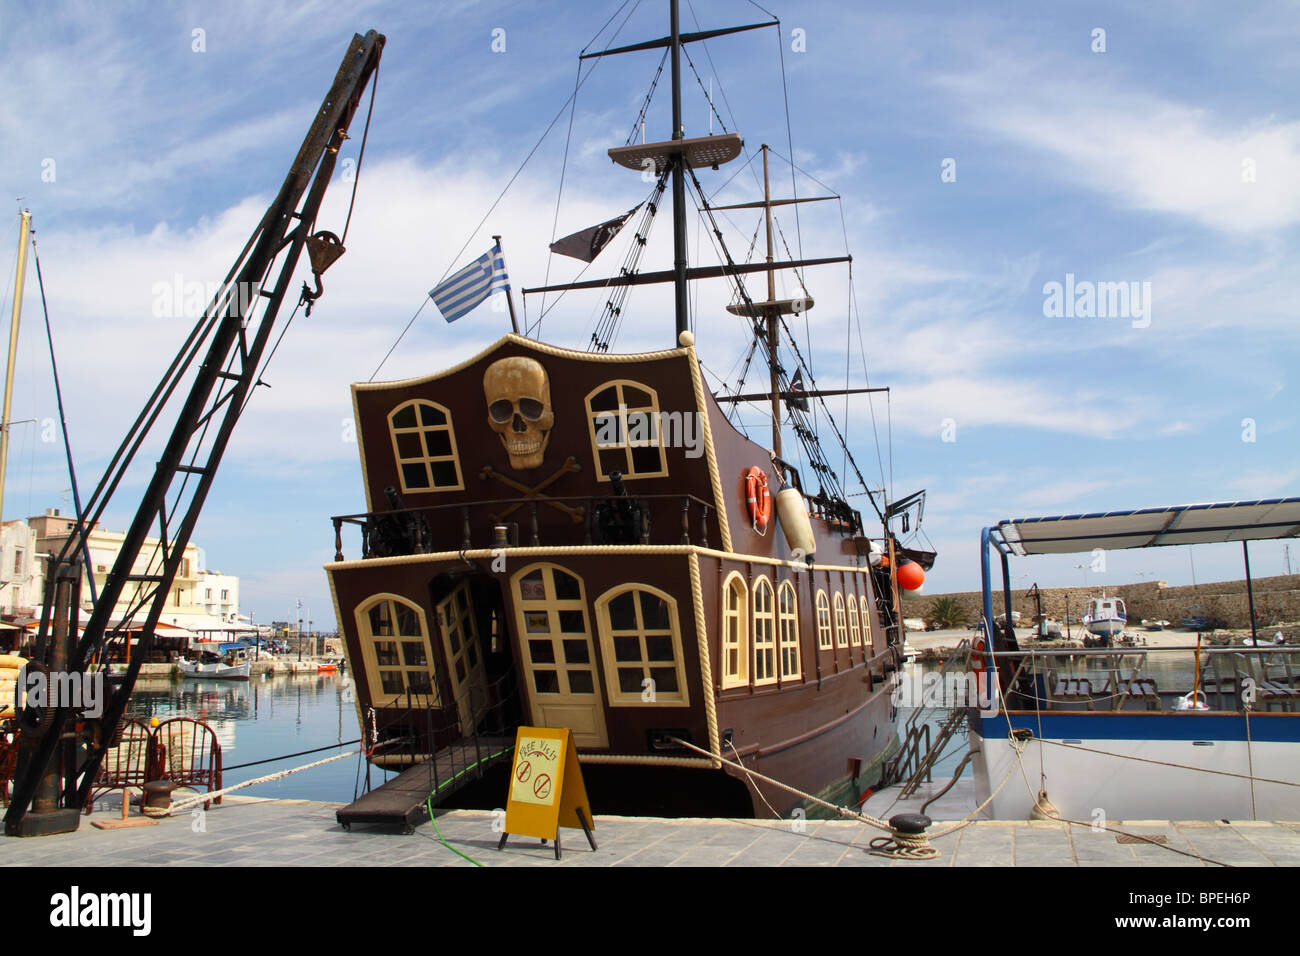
824,732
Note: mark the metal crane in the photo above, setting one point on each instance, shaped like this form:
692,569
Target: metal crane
61,746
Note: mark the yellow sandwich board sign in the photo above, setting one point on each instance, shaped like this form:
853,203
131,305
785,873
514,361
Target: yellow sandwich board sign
546,789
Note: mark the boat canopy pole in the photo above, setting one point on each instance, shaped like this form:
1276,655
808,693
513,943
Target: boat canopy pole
986,587
1250,594
1006,591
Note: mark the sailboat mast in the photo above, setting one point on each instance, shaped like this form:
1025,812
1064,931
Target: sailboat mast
772,365
24,230
679,183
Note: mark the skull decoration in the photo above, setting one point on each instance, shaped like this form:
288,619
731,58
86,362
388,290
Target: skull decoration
519,408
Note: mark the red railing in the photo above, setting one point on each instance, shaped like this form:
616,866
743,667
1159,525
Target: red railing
181,749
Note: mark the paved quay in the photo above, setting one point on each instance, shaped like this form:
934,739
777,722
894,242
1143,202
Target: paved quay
260,832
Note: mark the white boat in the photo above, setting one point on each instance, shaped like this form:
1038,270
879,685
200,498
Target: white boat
224,662
1106,616
1158,733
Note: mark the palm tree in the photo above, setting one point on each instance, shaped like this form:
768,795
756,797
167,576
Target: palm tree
945,613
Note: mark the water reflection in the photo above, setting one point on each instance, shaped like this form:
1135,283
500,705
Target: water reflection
268,716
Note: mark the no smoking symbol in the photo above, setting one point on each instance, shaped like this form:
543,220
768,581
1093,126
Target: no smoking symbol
542,786
523,771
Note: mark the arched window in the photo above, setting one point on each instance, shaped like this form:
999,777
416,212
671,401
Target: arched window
640,642
623,420
764,632
395,644
735,631
841,631
855,625
823,621
424,445
787,629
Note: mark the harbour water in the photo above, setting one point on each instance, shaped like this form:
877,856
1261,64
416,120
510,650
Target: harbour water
266,717
274,715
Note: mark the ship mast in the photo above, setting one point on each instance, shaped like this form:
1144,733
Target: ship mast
679,181
772,361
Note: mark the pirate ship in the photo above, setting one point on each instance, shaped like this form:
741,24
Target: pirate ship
584,539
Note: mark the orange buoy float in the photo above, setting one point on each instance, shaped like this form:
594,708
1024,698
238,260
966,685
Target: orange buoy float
910,576
758,499
977,664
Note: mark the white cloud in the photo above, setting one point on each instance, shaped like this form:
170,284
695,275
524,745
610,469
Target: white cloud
1142,149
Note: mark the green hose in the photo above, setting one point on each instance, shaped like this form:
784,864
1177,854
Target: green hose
428,803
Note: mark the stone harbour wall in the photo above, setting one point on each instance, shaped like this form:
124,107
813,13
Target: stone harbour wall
1223,603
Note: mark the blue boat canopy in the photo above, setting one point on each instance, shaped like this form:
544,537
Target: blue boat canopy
1153,527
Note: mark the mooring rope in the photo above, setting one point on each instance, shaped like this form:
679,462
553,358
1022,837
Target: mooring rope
212,795
1054,815
898,844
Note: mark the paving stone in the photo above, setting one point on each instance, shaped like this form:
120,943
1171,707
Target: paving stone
282,833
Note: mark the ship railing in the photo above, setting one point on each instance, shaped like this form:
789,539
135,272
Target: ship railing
456,745
483,718
1133,676
648,519
923,747
838,514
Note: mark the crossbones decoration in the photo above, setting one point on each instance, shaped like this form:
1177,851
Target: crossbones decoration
570,465
519,409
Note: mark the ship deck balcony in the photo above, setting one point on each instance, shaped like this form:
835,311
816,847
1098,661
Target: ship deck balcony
533,521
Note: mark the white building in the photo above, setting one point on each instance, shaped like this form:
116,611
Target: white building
188,604
218,595
22,569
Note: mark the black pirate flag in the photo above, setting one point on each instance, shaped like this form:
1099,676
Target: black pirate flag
586,245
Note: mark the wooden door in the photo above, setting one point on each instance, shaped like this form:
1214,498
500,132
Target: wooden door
559,661
460,642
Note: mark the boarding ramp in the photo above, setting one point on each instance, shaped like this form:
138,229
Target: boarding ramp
405,800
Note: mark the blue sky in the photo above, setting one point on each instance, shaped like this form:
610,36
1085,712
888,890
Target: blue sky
1171,158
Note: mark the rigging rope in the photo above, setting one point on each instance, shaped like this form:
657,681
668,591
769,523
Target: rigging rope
559,193
63,419
361,154
511,181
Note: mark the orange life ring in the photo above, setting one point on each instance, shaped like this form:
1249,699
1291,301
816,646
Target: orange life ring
758,499
977,657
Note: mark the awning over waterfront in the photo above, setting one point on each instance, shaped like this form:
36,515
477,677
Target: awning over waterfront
1154,527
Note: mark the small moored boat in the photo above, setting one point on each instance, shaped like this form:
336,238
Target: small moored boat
224,662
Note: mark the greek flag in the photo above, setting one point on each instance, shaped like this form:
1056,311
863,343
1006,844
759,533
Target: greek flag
470,286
